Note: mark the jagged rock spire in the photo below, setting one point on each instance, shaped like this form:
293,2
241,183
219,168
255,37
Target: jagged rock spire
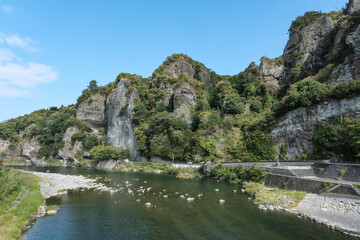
353,6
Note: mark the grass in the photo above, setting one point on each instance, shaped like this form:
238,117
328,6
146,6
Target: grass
274,196
357,185
52,207
53,163
329,185
187,172
14,162
12,223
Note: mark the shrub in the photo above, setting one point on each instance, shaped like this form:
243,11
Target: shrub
9,182
238,174
102,152
256,106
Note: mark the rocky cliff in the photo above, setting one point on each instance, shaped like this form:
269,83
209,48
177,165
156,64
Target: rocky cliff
296,128
119,112
307,46
93,110
187,112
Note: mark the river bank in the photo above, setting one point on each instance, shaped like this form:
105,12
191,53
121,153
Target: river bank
54,184
19,202
293,202
334,211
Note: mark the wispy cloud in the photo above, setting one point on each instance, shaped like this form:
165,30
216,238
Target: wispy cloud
19,78
7,8
25,43
6,55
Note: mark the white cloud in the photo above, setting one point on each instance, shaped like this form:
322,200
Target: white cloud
7,8
19,78
12,91
6,55
15,41
26,75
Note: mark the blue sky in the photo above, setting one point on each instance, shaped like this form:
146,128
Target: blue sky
50,50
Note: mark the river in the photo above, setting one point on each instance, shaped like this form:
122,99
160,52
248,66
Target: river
93,215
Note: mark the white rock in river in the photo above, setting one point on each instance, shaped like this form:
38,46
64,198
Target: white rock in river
147,204
182,196
51,212
221,201
216,190
190,199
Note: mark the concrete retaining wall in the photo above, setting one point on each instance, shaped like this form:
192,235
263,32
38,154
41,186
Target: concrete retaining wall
348,172
293,183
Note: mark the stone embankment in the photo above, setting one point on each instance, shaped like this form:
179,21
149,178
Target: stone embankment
337,213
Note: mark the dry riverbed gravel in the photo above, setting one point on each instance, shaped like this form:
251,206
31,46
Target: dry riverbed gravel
54,184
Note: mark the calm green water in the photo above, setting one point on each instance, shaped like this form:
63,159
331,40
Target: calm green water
90,215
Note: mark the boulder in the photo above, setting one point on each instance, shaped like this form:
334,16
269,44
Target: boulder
207,167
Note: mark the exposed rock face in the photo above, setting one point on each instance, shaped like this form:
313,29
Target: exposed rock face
308,45
4,145
30,150
181,66
271,71
119,111
69,151
353,6
92,110
186,97
168,90
296,129
350,69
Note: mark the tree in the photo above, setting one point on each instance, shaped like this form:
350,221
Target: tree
92,84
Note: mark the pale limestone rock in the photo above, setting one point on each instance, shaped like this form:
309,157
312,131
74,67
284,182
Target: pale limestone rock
350,69
119,111
92,110
308,45
271,71
69,150
297,127
186,97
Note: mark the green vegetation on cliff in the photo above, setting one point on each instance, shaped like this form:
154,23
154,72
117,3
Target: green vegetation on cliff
341,137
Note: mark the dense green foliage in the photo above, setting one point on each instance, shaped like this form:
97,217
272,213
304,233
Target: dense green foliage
238,174
307,93
48,127
340,137
232,119
88,141
102,152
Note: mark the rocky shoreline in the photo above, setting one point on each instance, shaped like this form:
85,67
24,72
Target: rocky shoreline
54,184
337,213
